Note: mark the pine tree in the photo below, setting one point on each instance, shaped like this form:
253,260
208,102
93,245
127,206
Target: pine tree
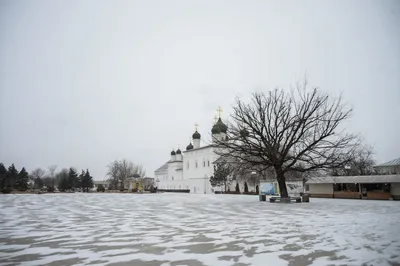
63,184
3,178
87,181
22,180
81,180
72,179
237,189
3,171
221,175
12,176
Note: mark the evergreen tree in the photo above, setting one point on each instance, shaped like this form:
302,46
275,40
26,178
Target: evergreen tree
221,175
12,175
237,189
81,178
63,185
3,171
87,181
3,178
72,179
246,188
22,180
63,174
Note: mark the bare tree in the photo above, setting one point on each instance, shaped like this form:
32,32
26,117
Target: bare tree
125,169
38,173
361,162
289,132
37,176
52,170
138,170
113,174
120,171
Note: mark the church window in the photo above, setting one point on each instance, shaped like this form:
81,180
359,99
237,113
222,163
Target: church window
204,163
196,164
187,165
172,178
208,163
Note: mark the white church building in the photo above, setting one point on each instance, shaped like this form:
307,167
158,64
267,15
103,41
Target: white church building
190,170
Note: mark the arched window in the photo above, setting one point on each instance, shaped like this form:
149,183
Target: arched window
172,178
196,164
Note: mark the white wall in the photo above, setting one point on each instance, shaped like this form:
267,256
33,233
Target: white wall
199,176
321,188
204,159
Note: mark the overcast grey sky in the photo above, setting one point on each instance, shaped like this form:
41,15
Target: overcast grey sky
83,83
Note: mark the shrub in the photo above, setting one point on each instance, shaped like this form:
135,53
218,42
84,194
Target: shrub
100,188
6,190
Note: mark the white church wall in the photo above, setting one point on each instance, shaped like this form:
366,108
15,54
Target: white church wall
198,167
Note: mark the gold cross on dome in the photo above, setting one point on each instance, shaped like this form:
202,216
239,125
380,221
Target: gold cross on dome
219,110
196,126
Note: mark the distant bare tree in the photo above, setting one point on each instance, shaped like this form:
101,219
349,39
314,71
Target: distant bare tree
289,132
138,170
37,176
125,169
113,174
120,171
52,170
361,162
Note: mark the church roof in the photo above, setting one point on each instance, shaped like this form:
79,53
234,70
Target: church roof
203,147
164,167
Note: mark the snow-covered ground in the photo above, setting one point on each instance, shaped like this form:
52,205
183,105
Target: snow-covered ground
184,229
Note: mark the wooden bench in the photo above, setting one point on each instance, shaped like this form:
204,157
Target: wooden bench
290,199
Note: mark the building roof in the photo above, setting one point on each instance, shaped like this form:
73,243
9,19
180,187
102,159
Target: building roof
202,147
164,167
355,179
394,162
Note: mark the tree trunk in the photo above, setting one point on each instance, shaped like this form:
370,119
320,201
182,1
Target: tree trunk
280,177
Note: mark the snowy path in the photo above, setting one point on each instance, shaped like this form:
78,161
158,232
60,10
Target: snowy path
183,229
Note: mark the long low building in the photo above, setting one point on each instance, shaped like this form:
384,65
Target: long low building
355,187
